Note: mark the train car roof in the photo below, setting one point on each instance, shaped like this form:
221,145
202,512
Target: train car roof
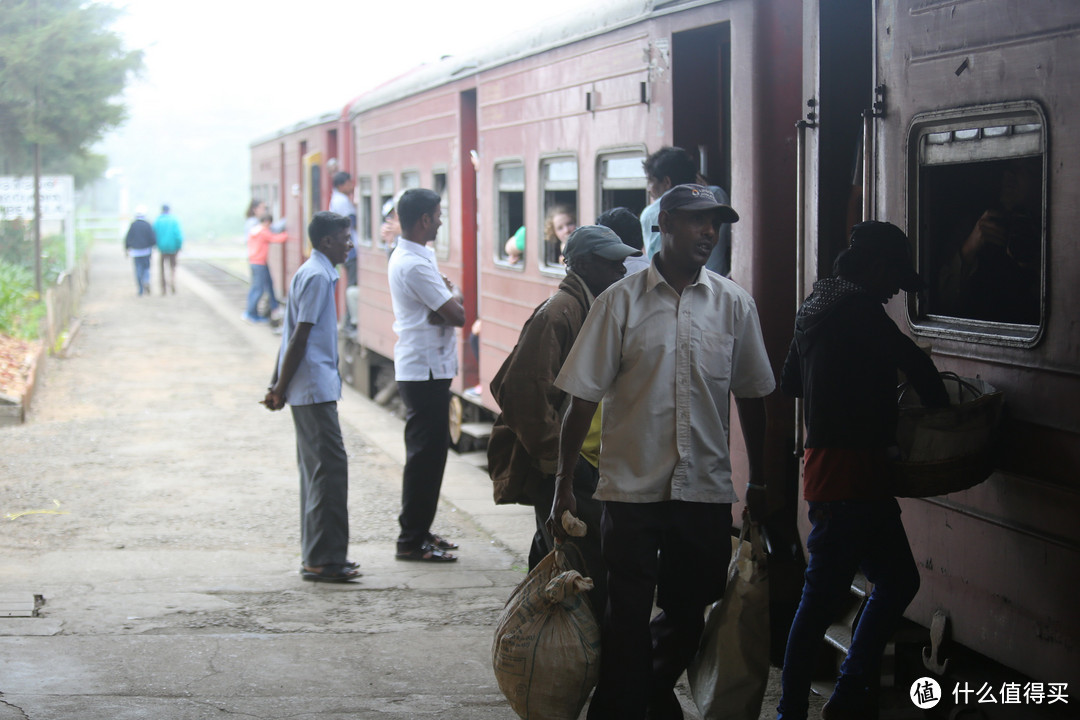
591,19
322,119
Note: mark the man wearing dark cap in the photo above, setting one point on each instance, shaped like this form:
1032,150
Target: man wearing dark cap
524,444
663,349
844,361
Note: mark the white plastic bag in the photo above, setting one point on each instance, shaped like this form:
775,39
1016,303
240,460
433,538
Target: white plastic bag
546,653
729,674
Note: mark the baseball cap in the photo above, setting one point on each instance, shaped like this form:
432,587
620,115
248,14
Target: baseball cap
696,197
885,241
597,240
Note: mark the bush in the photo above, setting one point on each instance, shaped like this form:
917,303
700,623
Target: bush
17,248
20,310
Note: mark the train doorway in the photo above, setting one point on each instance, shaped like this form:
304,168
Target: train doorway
842,70
701,89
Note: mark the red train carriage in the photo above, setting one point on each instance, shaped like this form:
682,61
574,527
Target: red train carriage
291,172
565,116
968,109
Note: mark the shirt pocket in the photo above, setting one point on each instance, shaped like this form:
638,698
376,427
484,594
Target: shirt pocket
712,354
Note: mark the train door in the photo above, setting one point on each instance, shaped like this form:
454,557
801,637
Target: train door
311,192
468,148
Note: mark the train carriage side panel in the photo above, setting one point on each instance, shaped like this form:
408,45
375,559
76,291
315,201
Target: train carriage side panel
407,140
979,99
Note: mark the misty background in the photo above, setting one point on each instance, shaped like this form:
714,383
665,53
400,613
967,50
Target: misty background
220,74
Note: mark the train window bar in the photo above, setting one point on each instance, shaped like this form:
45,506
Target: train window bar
511,240
365,221
978,220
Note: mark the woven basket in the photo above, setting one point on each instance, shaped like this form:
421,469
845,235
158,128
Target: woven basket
944,450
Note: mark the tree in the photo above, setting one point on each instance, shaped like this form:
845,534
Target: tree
62,71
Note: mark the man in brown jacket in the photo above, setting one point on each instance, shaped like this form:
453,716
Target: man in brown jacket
524,445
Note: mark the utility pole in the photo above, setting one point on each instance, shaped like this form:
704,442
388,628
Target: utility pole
37,219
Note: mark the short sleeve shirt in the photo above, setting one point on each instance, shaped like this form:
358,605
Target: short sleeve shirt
423,351
311,300
664,365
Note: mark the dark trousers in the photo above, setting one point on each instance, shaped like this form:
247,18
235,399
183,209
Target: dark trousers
324,484
427,440
680,550
585,555
167,264
848,536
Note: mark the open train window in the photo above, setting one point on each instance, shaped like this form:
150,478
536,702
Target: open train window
386,195
510,236
559,203
622,182
410,179
363,222
442,239
979,213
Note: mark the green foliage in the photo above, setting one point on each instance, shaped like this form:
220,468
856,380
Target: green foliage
60,70
17,248
20,311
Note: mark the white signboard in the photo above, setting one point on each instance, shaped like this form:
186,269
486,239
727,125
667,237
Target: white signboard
17,197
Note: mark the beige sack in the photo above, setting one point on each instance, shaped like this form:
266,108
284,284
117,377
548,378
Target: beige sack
546,653
729,674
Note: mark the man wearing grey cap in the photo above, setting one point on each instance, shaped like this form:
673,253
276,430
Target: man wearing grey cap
664,349
524,444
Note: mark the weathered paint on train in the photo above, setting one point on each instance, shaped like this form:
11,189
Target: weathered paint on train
965,90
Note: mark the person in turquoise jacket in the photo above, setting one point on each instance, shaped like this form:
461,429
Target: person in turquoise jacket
170,239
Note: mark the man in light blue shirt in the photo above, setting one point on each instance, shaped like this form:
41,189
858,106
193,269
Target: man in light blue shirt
306,377
427,308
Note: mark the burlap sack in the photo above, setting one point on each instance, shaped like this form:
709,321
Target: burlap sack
546,653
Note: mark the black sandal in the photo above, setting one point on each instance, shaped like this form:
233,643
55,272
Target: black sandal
330,574
441,542
427,553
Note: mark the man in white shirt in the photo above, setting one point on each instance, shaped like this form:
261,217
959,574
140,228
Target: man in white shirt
663,349
427,308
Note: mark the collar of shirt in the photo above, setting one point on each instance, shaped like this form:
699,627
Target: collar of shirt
654,278
416,248
325,265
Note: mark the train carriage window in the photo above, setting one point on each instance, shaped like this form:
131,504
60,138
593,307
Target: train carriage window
979,214
410,180
442,239
622,182
386,195
559,180
510,238
364,219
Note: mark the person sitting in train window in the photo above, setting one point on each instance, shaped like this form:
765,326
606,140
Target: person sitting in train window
843,360
665,350
559,221
664,169
628,228
515,247
427,309
524,444
995,271
390,230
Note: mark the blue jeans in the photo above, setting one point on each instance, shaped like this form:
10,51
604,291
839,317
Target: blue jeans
261,283
847,536
142,273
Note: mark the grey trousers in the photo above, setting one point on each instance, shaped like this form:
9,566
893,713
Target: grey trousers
324,484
